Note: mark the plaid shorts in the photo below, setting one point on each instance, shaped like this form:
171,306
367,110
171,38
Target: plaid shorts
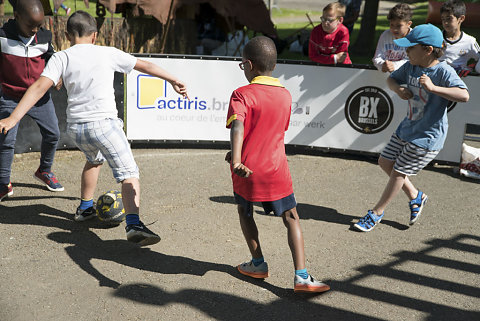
409,158
105,140
278,207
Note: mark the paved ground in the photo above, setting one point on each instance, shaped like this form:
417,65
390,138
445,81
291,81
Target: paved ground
56,269
53,268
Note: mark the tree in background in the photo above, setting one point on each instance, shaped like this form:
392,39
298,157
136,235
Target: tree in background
364,44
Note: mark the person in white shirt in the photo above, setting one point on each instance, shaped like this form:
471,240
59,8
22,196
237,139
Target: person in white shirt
389,56
462,51
87,71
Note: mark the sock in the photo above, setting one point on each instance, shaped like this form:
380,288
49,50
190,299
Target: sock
258,261
132,219
84,204
41,170
302,273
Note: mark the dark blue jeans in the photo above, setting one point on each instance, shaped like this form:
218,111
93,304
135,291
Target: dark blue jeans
44,115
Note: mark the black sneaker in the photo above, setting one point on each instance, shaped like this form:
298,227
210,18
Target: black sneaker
140,234
83,215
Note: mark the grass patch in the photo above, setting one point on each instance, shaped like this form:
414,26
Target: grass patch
293,13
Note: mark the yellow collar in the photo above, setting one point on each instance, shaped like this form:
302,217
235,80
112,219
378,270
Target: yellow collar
266,80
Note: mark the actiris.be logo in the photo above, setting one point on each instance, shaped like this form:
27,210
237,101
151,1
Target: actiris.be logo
153,93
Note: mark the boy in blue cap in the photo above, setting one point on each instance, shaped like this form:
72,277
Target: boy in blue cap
427,84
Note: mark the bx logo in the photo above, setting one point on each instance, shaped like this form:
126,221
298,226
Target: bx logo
369,110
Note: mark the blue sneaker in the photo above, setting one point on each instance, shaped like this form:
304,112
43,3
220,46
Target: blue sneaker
368,222
419,202
49,179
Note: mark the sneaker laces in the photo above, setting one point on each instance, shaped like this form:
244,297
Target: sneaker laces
149,223
51,177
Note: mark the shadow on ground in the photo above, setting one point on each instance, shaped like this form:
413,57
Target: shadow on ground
316,212
85,246
224,306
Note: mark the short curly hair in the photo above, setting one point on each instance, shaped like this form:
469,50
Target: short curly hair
401,11
81,24
261,51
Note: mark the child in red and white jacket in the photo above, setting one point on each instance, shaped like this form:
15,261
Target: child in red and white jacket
329,41
25,48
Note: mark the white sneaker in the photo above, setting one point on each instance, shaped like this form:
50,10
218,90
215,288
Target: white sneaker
308,285
258,272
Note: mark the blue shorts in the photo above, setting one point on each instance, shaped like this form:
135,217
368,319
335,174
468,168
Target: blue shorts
278,207
105,140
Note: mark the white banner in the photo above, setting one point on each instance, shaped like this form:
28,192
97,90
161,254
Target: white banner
333,107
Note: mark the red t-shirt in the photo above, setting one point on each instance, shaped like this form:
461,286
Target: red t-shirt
264,107
323,46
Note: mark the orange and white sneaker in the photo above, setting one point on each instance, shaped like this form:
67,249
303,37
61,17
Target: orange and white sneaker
309,285
258,272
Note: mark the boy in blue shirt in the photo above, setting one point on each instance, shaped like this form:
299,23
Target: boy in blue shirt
427,84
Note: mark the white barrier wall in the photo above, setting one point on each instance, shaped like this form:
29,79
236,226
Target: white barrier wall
334,107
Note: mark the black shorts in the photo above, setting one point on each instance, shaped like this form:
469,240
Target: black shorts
278,207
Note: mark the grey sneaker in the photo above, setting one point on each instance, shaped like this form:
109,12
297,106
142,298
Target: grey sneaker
258,272
83,215
140,234
308,285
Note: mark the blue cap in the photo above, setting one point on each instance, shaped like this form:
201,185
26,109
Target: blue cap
426,34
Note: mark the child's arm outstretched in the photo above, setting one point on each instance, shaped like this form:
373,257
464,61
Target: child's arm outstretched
30,98
451,93
154,70
236,143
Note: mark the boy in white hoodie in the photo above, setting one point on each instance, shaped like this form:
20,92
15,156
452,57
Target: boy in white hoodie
389,56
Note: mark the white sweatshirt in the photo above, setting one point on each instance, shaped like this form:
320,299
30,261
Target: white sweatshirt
388,50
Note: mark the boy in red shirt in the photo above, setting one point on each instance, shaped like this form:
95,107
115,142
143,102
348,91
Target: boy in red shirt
258,116
329,40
